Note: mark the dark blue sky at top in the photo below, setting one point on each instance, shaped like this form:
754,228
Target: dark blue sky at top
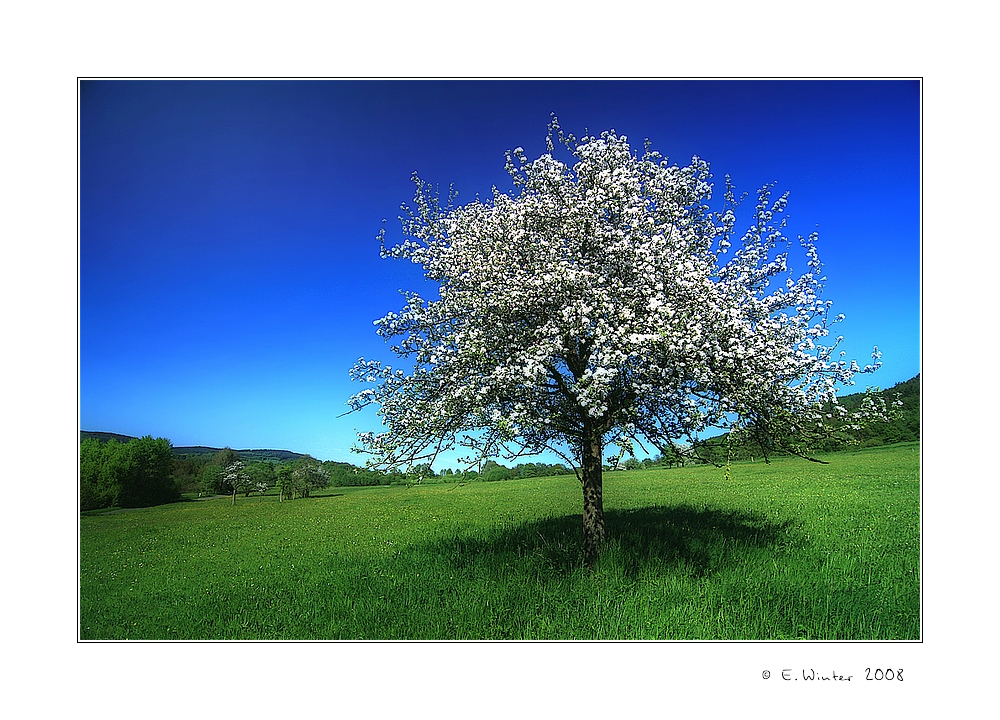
229,267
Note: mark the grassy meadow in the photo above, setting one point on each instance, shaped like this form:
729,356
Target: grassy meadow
790,550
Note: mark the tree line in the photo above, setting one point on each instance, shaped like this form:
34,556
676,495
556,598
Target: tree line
140,472
136,473
901,425
145,471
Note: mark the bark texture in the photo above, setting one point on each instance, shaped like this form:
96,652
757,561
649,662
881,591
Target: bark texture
593,503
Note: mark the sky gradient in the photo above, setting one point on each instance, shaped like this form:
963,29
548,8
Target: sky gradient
228,260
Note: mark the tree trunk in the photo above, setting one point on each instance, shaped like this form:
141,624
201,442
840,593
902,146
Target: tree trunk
593,503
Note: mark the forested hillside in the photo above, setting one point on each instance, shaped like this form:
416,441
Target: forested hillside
904,426
198,451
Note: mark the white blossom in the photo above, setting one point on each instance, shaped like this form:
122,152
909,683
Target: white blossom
601,295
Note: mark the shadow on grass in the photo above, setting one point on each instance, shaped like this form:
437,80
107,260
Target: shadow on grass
696,540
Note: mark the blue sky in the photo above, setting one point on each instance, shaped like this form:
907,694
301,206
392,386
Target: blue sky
229,267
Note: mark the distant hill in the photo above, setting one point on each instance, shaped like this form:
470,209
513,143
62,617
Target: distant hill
194,451
250,455
105,436
905,428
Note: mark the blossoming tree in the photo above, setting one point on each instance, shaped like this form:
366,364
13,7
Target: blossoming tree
237,477
600,303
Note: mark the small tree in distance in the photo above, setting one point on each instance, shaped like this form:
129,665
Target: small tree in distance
284,481
262,477
307,475
236,476
301,478
601,302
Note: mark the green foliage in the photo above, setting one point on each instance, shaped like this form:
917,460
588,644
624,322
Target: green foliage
793,550
137,473
224,457
202,453
198,468
212,480
300,478
97,490
903,427
104,437
187,474
213,472
262,476
346,475
493,472
270,456
283,481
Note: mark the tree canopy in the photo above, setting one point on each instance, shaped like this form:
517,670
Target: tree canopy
602,301
136,473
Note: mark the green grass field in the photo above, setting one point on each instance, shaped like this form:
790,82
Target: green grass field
790,550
